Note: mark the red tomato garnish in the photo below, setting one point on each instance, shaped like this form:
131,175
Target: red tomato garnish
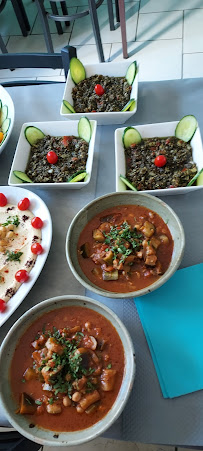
24,204
21,275
37,223
66,140
93,111
3,200
160,161
52,158
99,90
36,248
2,305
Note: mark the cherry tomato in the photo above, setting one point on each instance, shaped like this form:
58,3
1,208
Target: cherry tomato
52,158
99,90
21,275
36,248
2,305
3,200
160,161
24,204
37,223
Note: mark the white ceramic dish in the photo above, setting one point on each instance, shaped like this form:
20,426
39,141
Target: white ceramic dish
43,436
39,208
113,70
7,100
110,201
156,130
57,128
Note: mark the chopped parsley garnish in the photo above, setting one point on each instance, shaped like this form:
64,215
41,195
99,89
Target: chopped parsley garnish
89,387
123,241
50,400
11,220
109,366
39,403
13,256
23,380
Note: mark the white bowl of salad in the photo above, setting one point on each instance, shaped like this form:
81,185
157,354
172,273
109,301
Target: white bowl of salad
7,114
105,92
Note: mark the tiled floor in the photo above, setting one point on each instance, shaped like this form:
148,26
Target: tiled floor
164,36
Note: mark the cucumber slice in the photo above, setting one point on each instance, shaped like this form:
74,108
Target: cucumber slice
128,105
68,106
127,183
0,104
32,134
131,73
200,179
4,114
22,176
84,129
131,136
132,107
186,128
196,176
77,177
77,70
5,126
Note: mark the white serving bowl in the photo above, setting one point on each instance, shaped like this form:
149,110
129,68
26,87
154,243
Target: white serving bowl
110,201
55,128
7,100
21,423
112,70
165,129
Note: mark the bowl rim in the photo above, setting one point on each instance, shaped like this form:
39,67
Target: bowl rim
129,354
169,272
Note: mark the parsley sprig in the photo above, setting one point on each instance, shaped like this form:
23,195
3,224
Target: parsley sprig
117,238
11,220
12,256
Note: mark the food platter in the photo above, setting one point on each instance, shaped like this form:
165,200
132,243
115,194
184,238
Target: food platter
39,208
6,122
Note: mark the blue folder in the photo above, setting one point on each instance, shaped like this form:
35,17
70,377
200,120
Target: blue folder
172,319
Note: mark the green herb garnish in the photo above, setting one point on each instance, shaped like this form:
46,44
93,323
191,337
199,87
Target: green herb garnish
13,256
11,220
50,400
39,403
109,366
122,241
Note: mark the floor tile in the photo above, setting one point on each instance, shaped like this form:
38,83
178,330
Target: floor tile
99,444
192,65
163,25
8,21
192,37
82,30
36,43
37,28
88,53
159,60
154,6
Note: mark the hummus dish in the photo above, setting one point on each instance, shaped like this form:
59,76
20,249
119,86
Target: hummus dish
17,235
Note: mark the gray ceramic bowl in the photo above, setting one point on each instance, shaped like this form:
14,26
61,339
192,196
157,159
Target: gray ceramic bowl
125,198
44,436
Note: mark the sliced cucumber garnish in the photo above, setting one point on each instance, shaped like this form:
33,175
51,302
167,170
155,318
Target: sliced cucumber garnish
129,105
200,179
127,183
5,126
3,114
186,128
32,134
77,70
0,104
131,73
133,105
68,106
77,177
84,129
131,136
22,176
196,176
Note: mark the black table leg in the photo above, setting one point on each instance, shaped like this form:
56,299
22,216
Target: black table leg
111,17
45,25
55,12
96,30
65,11
20,17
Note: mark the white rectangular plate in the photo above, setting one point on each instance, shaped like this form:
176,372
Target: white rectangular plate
112,70
156,130
57,128
38,208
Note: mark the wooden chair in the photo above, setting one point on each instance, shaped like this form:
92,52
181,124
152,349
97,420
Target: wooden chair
36,60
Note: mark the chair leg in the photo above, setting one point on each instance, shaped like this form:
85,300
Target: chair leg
55,12
67,53
19,16
96,31
111,16
117,11
123,27
25,18
65,12
45,25
2,45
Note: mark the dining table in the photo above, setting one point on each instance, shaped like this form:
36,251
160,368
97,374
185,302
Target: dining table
147,417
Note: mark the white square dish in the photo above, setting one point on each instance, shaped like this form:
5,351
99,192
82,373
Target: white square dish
103,118
58,128
6,101
165,129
